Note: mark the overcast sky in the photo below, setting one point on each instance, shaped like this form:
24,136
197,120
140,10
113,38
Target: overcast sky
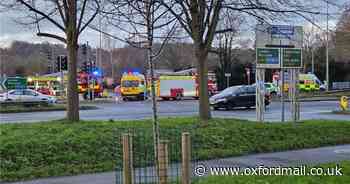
10,30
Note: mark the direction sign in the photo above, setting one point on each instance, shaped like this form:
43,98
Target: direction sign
15,83
227,74
292,58
282,31
268,57
279,36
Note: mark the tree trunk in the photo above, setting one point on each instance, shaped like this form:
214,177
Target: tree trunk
72,46
202,70
72,92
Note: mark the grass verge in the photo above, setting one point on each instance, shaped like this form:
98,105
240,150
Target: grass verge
344,179
33,150
58,107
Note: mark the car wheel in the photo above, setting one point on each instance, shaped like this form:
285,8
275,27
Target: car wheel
178,96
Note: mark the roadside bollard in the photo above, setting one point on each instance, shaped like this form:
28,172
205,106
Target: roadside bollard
344,103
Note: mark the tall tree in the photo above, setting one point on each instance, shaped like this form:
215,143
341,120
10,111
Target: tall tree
71,17
343,36
146,22
199,19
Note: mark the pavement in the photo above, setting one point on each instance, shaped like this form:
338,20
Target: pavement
142,110
308,157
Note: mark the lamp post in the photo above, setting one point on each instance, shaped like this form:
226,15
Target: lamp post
327,51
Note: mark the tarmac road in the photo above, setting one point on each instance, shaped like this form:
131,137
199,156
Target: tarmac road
142,110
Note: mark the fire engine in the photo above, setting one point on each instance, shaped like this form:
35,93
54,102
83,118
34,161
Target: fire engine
83,85
177,85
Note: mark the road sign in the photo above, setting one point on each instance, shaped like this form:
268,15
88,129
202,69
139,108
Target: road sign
268,57
291,58
15,83
279,36
227,74
282,31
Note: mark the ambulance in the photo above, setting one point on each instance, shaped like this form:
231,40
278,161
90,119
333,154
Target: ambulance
133,86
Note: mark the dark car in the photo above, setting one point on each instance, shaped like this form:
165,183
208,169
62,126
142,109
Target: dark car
236,96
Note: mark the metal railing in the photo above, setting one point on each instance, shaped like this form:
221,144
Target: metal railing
340,85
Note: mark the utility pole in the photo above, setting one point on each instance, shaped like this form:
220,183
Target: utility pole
312,44
327,50
312,61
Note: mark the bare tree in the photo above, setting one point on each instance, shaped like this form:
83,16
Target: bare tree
71,17
199,19
146,21
343,36
226,42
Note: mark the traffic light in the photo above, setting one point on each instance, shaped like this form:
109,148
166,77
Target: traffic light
57,64
49,67
84,49
86,67
64,63
61,63
49,56
83,67
89,67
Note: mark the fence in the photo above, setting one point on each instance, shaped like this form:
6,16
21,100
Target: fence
341,85
174,161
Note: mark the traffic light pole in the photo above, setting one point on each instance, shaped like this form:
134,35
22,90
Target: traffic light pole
88,78
62,76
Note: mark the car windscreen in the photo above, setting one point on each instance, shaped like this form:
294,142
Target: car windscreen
229,91
130,83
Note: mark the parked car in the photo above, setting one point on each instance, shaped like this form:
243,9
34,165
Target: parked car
272,88
236,96
26,95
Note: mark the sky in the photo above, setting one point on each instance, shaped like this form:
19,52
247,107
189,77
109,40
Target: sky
11,31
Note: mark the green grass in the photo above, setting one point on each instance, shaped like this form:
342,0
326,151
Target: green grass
344,179
58,107
33,150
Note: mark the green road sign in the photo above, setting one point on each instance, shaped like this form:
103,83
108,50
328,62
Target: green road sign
292,58
268,57
15,83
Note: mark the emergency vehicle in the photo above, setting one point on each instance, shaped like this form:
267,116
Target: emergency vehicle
133,86
47,85
176,86
83,85
307,82
310,82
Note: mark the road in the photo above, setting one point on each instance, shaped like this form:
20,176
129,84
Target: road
142,110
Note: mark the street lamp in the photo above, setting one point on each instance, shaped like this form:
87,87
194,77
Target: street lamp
327,51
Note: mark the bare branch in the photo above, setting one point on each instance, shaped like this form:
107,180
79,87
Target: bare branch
48,35
31,8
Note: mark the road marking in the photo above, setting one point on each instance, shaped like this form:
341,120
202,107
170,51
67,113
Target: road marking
342,151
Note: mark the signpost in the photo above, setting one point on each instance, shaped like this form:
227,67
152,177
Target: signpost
228,75
279,47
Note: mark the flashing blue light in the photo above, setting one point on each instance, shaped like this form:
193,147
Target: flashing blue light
97,72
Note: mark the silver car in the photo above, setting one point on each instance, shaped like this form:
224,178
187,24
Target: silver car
26,95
